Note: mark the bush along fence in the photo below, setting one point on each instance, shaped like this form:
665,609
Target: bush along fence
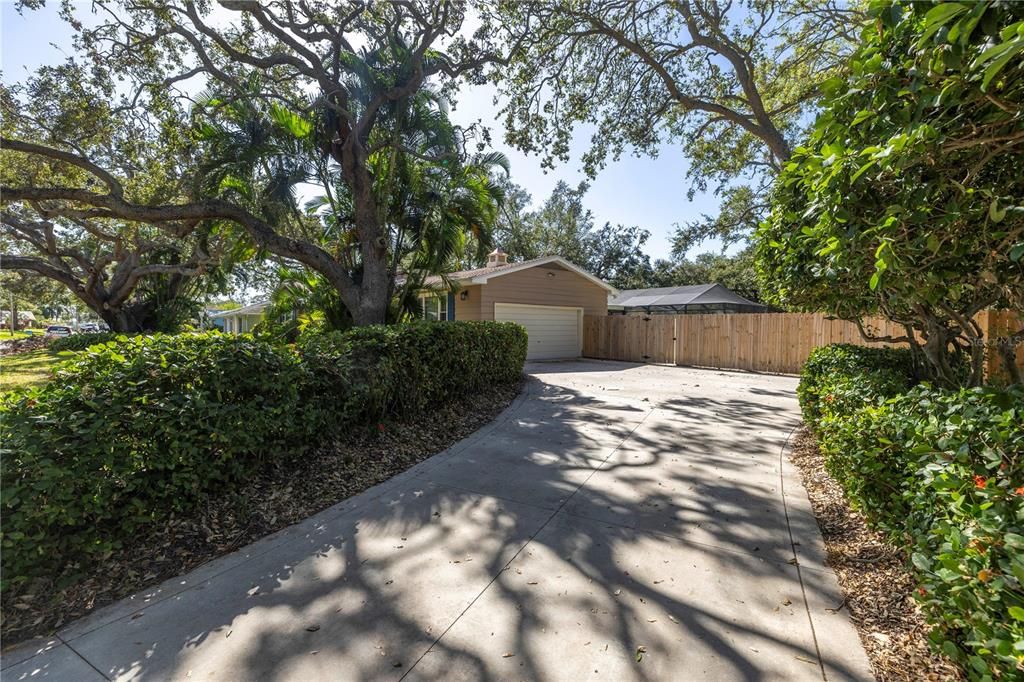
135,428
761,342
942,472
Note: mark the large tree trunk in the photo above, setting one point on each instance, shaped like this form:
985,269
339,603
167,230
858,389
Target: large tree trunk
941,351
117,319
371,306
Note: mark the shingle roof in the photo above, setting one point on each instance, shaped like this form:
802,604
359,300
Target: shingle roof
466,276
251,309
434,280
692,294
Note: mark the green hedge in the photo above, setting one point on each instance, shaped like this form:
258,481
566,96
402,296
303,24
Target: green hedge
842,377
943,473
138,427
77,342
133,429
402,369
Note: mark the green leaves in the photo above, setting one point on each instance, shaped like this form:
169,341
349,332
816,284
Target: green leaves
295,124
136,428
920,155
940,469
203,408
938,16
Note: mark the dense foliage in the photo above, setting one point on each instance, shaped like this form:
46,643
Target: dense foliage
134,429
402,369
139,427
842,377
735,272
943,473
133,275
347,99
77,342
906,200
729,82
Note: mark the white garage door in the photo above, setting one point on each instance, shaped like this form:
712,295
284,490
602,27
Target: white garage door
554,331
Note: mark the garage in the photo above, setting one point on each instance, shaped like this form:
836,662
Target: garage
554,331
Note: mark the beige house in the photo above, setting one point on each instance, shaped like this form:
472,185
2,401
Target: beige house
549,296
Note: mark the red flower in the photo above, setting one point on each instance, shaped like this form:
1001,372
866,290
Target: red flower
829,398
1019,491
921,591
980,481
380,427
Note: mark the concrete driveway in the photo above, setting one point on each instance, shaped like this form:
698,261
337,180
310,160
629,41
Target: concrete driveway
617,522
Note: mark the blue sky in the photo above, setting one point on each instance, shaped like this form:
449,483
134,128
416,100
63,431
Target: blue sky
642,191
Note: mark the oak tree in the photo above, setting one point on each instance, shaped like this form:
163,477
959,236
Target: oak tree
731,82
335,76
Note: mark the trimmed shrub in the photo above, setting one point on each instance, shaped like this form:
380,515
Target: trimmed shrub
841,378
403,369
943,472
133,429
77,342
970,557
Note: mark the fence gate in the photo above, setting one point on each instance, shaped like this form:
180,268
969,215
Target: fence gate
762,342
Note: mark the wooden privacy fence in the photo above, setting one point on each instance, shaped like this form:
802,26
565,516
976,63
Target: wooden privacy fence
760,342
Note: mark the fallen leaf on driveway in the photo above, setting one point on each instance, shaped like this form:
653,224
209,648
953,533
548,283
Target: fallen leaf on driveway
507,654
312,627
640,651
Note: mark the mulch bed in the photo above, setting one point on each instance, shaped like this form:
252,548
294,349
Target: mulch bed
874,577
280,497
22,345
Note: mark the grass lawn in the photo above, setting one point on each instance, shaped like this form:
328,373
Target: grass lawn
6,335
26,369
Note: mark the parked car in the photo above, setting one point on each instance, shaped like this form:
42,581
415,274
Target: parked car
89,328
55,330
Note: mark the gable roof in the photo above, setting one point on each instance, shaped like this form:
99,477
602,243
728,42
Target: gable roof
670,297
251,309
482,275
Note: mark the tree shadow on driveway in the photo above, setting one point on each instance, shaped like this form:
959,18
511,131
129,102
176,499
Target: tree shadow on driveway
579,535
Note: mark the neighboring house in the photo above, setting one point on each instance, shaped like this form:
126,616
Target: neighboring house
213,320
240,320
548,296
695,298
26,319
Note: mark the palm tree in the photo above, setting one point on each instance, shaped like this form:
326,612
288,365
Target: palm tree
433,198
